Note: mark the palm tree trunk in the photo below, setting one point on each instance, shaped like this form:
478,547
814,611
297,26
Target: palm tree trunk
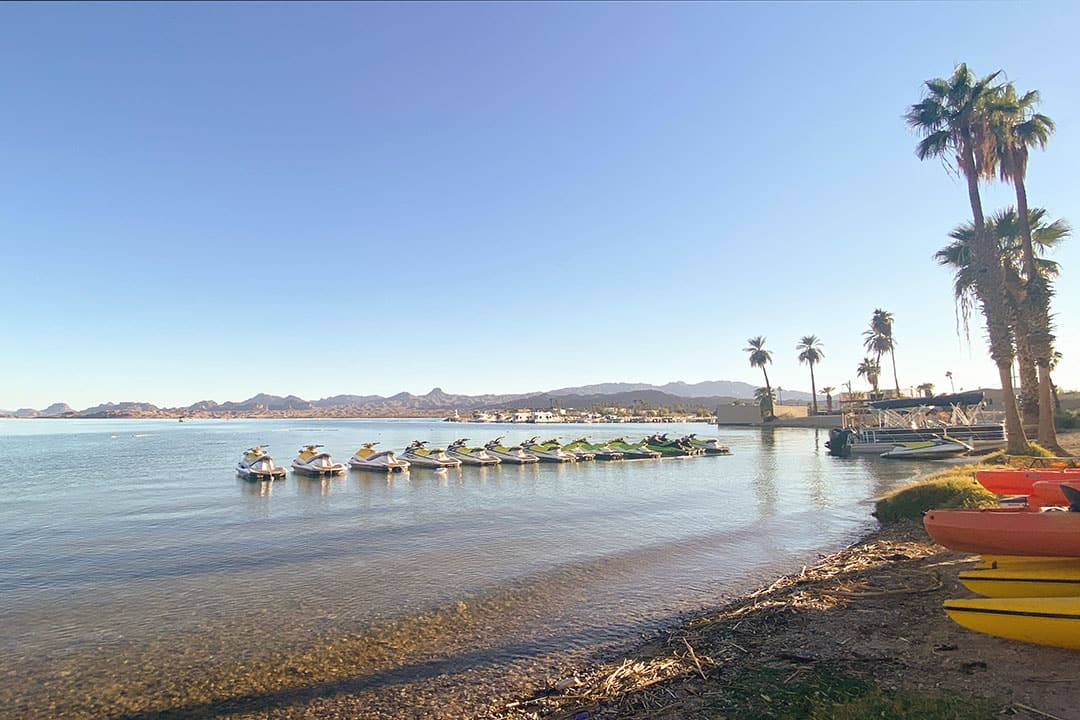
768,389
1037,298
892,354
813,388
1029,382
990,288
1025,359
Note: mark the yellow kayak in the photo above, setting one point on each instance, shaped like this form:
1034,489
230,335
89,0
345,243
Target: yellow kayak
1026,562
1044,621
1028,580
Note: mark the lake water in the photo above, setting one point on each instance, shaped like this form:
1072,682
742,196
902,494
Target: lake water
118,537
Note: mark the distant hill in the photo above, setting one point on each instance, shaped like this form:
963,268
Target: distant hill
706,389
437,402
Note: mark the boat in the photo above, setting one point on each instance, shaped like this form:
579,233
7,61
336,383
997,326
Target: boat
417,454
888,423
936,449
1026,580
515,455
999,531
634,452
368,458
1041,620
310,461
711,446
470,456
548,451
256,464
583,448
1020,481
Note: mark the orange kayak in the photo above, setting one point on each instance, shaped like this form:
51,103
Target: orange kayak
1006,532
1017,481
1048,493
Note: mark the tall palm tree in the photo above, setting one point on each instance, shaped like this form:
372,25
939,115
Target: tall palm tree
870,369
1016,128
953,120
828,390
810,352
1005,228
759,358
879,340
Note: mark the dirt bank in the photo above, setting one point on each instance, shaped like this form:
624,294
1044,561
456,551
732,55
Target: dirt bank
872,611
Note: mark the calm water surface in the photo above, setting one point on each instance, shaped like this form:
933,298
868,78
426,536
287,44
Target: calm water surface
129,533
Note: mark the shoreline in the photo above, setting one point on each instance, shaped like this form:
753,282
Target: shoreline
881,602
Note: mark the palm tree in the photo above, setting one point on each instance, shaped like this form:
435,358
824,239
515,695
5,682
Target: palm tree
810,352
1004,226
927,389
879,340
953,120
759,358
828,390
1016,128
869,369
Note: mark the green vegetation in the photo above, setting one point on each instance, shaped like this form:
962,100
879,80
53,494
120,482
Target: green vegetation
952,488
824,694
1067,419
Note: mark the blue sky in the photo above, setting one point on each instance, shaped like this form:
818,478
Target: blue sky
205,201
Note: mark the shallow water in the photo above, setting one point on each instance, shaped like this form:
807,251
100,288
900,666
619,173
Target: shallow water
116,536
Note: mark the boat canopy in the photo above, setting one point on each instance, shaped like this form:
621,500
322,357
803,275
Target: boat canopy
969,398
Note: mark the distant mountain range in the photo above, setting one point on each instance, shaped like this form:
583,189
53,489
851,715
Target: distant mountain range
708,394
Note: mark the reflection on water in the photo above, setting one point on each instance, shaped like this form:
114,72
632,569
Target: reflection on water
102,557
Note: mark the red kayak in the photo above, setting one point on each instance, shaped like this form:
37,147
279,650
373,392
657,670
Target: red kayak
1017,481
1006,532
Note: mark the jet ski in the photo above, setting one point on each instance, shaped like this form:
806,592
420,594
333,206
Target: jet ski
936,449
587,451
421,456
711,446
470,456
368,458
549,451
256,464
516,455
671,448
312,462
634,452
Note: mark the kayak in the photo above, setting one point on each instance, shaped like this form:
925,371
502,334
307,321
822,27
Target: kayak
1006,532
1045,621
1018,581
1017,481
1024,562
1049,493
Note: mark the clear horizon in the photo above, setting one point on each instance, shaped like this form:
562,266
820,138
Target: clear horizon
216,200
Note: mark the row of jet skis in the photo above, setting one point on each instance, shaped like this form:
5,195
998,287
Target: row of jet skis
1029,575
257,464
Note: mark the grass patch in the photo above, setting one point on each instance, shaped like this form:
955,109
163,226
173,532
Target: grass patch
952,488
822,694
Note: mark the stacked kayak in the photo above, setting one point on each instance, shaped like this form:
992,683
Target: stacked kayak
1030,570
